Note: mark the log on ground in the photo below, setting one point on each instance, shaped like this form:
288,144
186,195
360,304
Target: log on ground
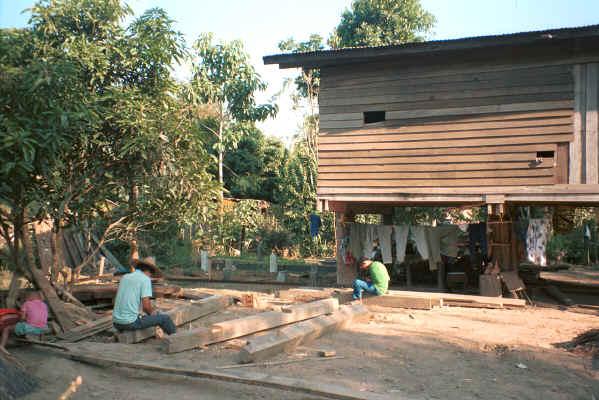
179,315
288,338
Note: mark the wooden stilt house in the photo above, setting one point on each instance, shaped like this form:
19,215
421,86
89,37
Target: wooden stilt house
498,120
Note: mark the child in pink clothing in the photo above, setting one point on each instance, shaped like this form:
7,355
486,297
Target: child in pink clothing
34,319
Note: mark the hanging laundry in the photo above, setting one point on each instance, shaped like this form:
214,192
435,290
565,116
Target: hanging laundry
371,236
315,224
477,233
357,236
449,240
537,237
419,237
400,233
428,243
384,235
433,238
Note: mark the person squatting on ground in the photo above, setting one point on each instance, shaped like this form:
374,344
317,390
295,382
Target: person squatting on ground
34,319
134,292
379,279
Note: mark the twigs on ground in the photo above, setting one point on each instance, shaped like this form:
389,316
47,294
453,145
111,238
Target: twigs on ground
271,363
71,389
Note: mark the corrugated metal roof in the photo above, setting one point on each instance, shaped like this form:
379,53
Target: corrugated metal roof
314,58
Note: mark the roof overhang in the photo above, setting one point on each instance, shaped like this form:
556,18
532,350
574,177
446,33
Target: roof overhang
577,38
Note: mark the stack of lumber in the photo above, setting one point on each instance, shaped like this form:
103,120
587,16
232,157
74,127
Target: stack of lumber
404,299
87,330
299,324
288,338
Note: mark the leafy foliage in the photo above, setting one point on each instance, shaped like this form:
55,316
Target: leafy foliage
381,23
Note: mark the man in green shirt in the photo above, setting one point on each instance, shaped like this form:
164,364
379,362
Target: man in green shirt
379,279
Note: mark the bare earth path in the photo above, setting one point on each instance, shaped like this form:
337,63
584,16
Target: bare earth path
448,353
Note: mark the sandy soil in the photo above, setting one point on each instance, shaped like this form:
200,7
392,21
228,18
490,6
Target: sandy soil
447,353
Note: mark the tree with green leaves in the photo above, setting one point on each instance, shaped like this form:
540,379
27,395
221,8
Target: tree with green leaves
223,76
381,23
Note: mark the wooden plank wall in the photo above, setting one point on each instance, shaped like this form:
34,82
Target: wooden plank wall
445,127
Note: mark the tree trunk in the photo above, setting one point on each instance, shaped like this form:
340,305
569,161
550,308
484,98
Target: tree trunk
133,194
28,247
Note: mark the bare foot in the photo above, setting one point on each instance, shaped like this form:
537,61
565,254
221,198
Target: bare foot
159,333
3,350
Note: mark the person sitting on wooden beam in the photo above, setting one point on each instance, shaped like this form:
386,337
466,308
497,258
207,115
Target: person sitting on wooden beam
379,279
134,292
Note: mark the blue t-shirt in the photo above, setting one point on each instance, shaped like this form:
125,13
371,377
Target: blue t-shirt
133,287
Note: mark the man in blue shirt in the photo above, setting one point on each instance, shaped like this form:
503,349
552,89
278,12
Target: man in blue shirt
134,293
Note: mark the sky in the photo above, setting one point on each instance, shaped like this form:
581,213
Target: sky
262,24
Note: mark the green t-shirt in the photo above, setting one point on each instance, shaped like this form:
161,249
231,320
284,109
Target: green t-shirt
380,277
133,287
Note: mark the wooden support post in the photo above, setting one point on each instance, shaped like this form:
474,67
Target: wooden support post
576,169
592,125
101,266
43,232
346,273
273,268
288,338
180,315
244,326
408,274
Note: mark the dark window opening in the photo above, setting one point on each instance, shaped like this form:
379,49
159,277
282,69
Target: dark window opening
370,117
545,154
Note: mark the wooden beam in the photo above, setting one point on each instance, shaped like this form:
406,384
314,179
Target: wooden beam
398,301
592,125
81,332
54,302
312,387
180,315
288,338
579,124
244,326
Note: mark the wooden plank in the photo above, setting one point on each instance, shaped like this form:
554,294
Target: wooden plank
331,128
56,305
423,144
562,162
288,338
423,105
180,315
468,110
395,301
469,134
430,167
84,331
453,95
244,326
396,183
513,190
592,125
260,322
468,84
325,179
511,153
460,297
579,124
520,116
312,387
426,159
370,73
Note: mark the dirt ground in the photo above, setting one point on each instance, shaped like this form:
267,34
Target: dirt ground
446,353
